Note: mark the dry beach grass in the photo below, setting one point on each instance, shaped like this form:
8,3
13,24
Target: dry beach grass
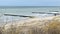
48,25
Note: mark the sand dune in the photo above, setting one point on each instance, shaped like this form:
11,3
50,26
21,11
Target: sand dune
48,25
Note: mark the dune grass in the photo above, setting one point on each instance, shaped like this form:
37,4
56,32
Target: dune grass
35,26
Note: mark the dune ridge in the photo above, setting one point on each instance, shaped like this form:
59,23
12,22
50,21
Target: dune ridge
48,25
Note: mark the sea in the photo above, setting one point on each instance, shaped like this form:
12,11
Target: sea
26,11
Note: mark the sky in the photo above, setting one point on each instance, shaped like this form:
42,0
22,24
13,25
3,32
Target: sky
29,2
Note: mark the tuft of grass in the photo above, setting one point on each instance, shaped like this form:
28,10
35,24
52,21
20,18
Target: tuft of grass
34,27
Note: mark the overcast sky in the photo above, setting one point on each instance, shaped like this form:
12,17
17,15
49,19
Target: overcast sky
29,2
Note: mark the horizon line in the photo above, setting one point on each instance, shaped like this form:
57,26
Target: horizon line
26,6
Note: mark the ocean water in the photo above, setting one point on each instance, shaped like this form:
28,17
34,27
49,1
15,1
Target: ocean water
25,11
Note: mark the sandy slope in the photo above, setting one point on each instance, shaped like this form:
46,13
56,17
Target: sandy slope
48,25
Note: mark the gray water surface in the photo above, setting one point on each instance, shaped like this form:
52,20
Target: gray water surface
24,11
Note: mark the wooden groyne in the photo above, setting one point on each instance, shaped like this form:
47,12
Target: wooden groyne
18,15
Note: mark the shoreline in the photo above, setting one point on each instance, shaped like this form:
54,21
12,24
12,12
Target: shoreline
29,19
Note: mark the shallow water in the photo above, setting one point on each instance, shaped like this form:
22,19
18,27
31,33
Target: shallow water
25,11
